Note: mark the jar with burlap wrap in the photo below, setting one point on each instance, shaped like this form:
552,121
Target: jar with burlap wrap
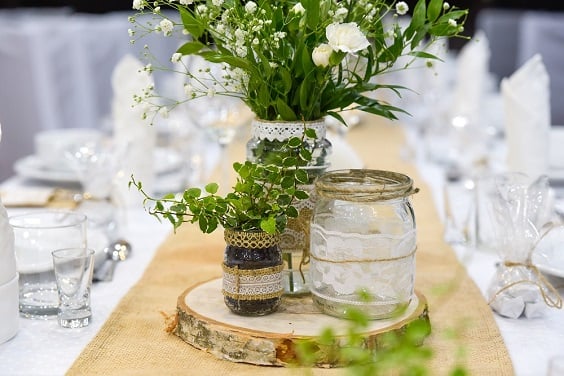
252,272
363,241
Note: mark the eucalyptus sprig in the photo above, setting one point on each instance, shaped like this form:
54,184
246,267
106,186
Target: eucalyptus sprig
262,199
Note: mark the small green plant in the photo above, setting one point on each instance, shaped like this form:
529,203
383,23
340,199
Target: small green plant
262,199
400,352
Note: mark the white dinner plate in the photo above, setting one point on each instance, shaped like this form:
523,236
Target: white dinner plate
556,153
32,167
548,255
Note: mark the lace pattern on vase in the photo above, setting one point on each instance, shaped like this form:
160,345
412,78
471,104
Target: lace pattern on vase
252,284
344,263
281,131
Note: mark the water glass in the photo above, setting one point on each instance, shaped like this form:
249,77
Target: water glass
73,271
36,235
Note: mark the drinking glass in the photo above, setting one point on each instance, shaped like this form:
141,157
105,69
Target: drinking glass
221,118
73,272
36,235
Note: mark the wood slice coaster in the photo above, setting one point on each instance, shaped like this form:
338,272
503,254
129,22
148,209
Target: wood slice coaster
207,324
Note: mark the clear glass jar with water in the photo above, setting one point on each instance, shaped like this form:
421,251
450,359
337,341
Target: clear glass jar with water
363,241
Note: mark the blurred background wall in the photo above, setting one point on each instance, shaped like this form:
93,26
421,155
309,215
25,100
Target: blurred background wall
56,58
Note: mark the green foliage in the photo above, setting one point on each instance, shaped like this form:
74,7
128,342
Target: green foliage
262,199
400,352
267,48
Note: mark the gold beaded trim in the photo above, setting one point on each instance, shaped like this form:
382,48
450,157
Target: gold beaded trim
252,284
250,240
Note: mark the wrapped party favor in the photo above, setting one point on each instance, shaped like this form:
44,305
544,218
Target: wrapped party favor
520,216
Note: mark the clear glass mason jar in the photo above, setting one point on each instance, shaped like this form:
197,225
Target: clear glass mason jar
363,241
266,143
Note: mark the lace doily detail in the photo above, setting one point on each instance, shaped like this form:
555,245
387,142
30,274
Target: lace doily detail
343,263
283,130
250,240
252,284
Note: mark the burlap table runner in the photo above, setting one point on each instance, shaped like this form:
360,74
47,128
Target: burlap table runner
134,340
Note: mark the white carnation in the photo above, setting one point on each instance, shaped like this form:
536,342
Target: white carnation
321,55
346,37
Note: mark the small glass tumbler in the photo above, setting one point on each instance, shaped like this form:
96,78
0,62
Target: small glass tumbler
36,235
73,270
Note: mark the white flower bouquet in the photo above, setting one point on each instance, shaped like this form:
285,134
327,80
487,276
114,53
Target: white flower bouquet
297,60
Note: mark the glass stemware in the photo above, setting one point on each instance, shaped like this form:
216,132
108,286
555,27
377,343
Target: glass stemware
96,166
221,118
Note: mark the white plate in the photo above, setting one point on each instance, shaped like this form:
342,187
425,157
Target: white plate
556,153
548,255
32,167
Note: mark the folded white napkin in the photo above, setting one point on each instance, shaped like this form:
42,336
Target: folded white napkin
134,137
26,196
526,102
471,77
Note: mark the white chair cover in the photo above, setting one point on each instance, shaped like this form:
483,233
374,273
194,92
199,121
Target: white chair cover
501,27
543,33
55,72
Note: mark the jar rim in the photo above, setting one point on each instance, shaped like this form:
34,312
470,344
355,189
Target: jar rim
364,185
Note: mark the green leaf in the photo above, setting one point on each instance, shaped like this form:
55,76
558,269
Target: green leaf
418,18
453,15
212,188
310,133
301,195
424,55
268,225
305,154
434,9
289,162
292,212
302,176
191,23
203,223
312,13
244,171
284,110
294,142
284,200
190,48
287,182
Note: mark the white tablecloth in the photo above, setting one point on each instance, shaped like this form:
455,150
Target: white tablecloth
530,342
42,348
